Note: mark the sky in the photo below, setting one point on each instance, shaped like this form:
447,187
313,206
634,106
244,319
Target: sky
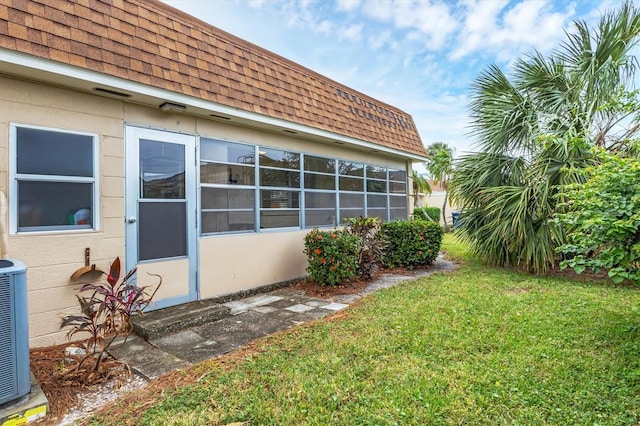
419,56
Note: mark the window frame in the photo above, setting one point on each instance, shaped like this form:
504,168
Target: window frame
15,178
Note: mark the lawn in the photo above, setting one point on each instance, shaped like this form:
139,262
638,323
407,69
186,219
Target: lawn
479,345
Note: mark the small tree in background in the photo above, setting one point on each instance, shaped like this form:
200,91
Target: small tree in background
427,213
420,186
440,168
411,243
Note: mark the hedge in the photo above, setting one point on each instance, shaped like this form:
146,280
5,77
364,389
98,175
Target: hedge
332,256
411,243
432,212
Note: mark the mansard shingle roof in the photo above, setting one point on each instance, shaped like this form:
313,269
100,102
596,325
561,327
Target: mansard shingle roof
149,42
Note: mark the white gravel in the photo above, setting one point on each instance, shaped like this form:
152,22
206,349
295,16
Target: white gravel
99,397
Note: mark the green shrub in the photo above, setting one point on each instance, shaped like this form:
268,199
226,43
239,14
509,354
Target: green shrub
370,244
602,220
411,243
332,256
432,212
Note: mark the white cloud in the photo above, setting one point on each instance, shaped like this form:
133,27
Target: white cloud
352,32
325,27
408,60
534,24
347,5
428,21
256,4
435,74
493,29
381,39
432,21
300,14
480,20
379,10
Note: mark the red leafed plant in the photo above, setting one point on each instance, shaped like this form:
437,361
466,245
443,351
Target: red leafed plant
106,313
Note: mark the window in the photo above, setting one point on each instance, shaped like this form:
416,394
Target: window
279,188
377,192
227,186
397,194
320,194
244,188
162,230
54,180
351,189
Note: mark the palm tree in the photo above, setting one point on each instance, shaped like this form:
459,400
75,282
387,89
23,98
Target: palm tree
420,186
440,168
535,132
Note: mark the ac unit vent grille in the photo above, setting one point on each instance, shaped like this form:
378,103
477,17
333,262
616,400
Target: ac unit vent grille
7,339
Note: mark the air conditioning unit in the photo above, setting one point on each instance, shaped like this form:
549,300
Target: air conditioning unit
15,378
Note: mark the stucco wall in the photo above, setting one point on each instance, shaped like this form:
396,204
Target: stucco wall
233,263
51,258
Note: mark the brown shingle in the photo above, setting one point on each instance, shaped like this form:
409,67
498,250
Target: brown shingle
78,61
35,9
84,12
6,41
92,27
149,42
59,43
59,55
66,6
17,31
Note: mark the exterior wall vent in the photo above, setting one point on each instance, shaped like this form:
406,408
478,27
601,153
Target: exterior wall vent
15,378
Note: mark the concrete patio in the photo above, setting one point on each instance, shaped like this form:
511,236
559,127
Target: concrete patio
174,338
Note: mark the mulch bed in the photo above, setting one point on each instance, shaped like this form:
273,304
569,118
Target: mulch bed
313,289
63,377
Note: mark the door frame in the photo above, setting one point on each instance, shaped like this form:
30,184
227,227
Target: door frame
132,196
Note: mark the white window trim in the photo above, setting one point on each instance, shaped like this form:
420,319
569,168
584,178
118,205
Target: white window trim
14,177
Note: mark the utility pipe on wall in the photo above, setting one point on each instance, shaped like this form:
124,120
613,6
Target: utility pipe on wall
4,234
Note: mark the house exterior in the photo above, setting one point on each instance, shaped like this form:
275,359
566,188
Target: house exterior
134,130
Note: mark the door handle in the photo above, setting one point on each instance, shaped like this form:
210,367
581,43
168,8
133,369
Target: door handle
131,219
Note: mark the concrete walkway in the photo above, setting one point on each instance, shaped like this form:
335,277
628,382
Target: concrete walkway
233,324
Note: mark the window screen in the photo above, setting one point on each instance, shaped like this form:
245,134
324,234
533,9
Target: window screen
162,232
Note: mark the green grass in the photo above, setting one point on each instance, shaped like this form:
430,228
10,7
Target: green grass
476,346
